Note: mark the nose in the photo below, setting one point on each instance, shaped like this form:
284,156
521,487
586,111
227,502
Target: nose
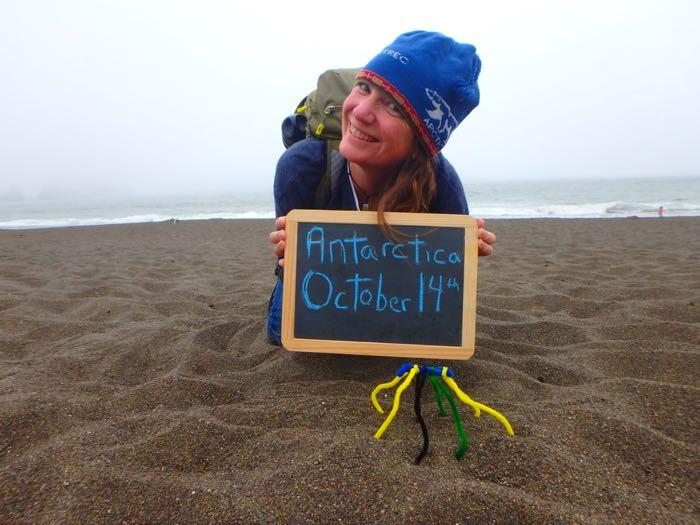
364,110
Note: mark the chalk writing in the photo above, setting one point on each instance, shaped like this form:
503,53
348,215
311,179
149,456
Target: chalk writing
366,289
357,249
355,283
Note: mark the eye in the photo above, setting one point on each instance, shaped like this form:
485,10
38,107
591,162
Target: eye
363,87
394,108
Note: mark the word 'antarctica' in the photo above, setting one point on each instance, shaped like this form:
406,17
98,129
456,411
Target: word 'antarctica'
367,291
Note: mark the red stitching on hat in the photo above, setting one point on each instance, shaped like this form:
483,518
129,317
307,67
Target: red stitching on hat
407,107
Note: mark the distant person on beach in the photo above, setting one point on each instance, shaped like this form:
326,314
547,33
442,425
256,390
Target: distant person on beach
661,211
404,106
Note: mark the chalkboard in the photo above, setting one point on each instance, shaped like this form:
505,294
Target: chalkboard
349,287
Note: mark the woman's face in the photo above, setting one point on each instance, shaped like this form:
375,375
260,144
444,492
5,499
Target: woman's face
375,133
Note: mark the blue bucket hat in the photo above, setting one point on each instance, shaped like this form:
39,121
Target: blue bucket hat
433,78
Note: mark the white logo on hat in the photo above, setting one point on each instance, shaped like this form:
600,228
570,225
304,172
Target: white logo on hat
443,121
395,54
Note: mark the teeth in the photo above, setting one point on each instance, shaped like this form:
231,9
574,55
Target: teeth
357,133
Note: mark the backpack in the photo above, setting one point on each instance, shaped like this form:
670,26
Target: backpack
319,115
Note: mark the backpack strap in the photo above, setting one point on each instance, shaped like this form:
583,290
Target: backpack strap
335,167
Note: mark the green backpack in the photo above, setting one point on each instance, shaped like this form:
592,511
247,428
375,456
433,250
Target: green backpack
319,115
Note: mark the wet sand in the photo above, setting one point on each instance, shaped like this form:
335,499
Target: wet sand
137,385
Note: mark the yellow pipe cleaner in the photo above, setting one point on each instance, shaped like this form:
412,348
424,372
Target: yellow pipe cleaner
395,408
464,397
383,386
475,404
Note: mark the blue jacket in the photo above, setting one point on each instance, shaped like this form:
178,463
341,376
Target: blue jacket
301,167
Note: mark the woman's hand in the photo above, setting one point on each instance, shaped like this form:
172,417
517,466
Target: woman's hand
486,238
278,238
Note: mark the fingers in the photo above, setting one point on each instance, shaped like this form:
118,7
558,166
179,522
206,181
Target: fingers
484,249
278,250
277,236
486,236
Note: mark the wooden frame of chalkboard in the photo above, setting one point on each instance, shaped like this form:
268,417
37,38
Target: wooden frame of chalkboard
413,295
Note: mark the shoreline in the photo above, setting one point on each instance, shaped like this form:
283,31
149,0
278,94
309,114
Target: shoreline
272,219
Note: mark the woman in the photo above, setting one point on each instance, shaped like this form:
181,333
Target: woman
406,103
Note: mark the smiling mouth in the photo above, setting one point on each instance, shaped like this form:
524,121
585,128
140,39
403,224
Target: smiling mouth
362,136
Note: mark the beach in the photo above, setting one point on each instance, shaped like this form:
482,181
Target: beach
137,385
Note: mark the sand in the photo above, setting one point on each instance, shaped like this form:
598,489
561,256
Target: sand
137,385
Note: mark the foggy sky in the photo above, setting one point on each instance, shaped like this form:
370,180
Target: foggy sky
147,97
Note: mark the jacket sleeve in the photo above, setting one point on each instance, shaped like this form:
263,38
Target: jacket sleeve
299,171
449,193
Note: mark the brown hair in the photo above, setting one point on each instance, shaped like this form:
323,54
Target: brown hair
411,189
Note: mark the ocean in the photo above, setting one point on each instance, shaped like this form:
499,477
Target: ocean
589,198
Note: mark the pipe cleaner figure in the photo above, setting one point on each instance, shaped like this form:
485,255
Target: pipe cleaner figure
433,374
